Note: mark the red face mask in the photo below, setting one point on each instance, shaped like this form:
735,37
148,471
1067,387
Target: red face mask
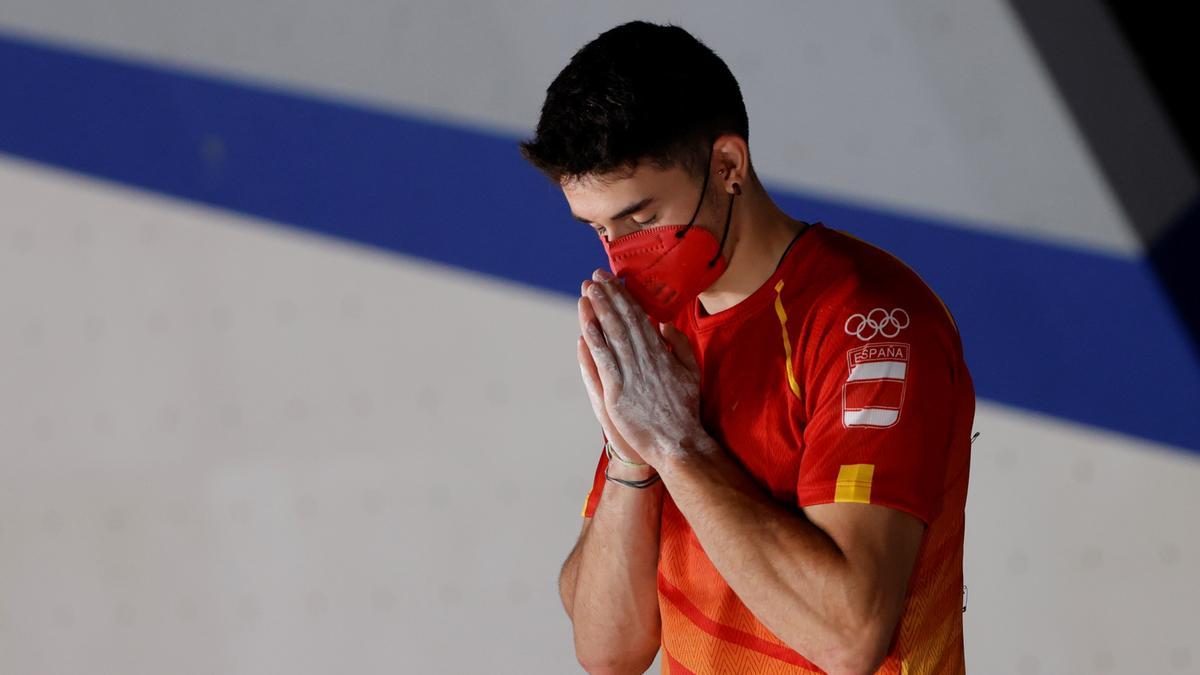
665,267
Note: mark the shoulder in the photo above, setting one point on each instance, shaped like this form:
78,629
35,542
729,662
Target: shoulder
852,287
857,273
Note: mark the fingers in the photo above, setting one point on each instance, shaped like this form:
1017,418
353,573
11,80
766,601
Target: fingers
602,354
680,346
613,304
591,382
631,310
620,338
587,314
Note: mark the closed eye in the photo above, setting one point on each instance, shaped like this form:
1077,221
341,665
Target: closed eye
601,230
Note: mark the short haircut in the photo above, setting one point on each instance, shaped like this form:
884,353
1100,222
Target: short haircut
639,92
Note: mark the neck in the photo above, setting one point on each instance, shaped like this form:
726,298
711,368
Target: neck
758,236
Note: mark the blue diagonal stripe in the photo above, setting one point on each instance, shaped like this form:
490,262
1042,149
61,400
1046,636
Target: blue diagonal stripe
1049,328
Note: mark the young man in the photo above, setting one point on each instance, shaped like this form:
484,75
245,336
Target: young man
786,408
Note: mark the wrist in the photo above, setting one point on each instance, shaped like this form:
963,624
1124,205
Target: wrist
626,472
687,449
647,478
627,458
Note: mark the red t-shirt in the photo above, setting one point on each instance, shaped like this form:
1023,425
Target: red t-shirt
840,379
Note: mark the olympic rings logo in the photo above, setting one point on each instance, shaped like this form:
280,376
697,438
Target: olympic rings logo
878,321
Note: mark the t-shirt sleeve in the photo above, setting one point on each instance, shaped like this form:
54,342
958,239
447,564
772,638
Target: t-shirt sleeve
593,495
880,384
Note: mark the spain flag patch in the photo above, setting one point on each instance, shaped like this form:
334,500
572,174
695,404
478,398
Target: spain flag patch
873,392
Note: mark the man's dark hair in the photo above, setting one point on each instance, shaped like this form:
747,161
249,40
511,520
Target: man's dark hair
637,92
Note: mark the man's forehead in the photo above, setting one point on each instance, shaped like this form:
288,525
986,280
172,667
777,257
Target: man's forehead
585,194
594,197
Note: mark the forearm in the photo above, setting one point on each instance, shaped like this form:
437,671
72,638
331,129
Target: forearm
613,600
787,571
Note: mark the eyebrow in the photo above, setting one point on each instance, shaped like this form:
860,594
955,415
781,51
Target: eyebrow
628,210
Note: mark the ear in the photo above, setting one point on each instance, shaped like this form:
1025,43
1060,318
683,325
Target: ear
731,153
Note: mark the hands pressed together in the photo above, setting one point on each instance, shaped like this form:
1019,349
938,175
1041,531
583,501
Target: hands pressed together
643,381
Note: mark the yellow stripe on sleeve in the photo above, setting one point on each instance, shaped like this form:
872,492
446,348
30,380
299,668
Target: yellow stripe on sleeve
854,483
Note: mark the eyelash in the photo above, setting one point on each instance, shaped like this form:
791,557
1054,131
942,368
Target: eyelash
601,229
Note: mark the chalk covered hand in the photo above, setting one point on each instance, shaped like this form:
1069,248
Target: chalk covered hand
591,382
644,383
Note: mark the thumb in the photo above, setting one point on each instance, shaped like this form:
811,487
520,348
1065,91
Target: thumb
680,346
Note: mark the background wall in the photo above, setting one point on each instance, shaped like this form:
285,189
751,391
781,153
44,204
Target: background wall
288,390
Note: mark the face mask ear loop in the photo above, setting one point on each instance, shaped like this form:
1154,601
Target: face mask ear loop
728,217
703,190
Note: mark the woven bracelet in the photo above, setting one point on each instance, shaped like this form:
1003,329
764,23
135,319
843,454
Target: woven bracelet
612,453
632,483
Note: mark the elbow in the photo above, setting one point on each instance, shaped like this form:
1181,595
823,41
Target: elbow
629,663
857,652
854,661
634,655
